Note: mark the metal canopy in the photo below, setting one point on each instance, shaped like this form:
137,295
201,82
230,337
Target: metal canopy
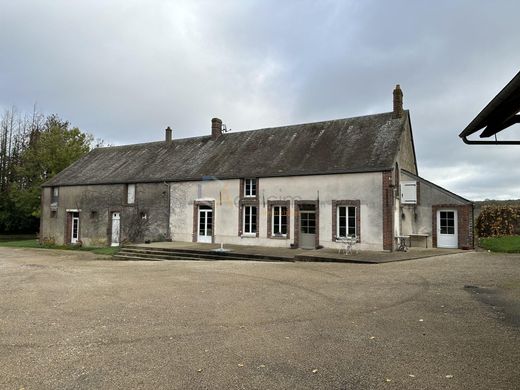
499,114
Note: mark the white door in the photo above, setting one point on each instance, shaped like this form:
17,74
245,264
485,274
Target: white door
74,234
447,229
116,228
205,231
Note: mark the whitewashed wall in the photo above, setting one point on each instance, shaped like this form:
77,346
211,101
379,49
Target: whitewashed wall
365,187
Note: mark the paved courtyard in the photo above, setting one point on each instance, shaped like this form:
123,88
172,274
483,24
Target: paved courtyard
71,321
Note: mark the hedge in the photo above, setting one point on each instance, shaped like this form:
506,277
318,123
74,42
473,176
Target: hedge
498,221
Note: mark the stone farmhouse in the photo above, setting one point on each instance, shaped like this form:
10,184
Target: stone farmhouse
303,186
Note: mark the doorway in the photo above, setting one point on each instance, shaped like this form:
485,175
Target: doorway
205,228
447,229
74,226
307,234
116,229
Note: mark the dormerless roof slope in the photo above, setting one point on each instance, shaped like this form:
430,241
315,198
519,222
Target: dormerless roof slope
362,144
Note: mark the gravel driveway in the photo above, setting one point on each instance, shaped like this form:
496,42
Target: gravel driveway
71,321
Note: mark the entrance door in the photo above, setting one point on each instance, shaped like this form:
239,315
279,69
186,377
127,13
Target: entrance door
74,234
205,224
307,227
116,228
447,229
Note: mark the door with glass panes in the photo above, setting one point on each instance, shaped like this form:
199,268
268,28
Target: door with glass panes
447,234
205,221
307,227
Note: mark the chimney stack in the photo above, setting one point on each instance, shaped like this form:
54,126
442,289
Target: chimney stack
168,134
398,102
216,128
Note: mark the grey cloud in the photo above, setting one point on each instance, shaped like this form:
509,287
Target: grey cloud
124,70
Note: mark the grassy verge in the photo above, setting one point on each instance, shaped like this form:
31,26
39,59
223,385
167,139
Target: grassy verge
506,244
35,244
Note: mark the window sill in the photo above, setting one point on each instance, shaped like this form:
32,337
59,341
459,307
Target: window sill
248,235
279,237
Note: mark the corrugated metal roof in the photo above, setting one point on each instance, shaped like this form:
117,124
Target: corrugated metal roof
361,144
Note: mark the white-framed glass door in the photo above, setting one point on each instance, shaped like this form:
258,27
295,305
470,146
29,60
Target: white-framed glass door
74,234
205,228
116,228
447,229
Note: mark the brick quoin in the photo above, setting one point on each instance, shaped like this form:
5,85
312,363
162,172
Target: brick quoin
388,212
464,224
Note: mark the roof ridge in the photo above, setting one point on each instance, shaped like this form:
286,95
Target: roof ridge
249,130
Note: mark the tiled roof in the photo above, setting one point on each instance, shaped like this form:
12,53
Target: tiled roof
360,144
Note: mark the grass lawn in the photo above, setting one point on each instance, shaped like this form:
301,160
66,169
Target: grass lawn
507,244
33,243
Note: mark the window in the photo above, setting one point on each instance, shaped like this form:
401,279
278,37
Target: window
250,219
279,221
55,193
130,194
54,213
346,224
250,188
409,192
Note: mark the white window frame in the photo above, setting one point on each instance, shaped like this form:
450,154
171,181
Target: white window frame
244,231
279,216
130,194
248,188
347,226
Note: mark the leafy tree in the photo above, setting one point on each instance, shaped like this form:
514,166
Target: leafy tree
50,151
33,150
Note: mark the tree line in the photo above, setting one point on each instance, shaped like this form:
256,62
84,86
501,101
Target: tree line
33,148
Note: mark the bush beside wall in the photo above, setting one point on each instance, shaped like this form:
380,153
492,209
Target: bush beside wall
498,221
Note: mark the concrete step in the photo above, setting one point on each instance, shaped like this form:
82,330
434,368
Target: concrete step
153,255
206,254
141,258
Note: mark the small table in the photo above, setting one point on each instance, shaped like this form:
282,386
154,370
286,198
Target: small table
401,243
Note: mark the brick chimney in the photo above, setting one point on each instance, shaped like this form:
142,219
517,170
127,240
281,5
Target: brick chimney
168,134
398,102
216,128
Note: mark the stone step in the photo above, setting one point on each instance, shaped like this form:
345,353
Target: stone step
213,255
179,256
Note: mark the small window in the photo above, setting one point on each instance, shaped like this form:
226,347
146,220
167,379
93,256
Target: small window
93,214
130,194
54,213
346,224
279,221
250,188
409,192
250,219
144,215
55,194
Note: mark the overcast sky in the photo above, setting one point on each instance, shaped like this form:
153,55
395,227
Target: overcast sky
123,70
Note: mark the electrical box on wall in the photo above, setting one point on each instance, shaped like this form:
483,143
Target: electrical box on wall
409,192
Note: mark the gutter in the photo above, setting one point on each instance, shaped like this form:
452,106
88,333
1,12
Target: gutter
496,142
